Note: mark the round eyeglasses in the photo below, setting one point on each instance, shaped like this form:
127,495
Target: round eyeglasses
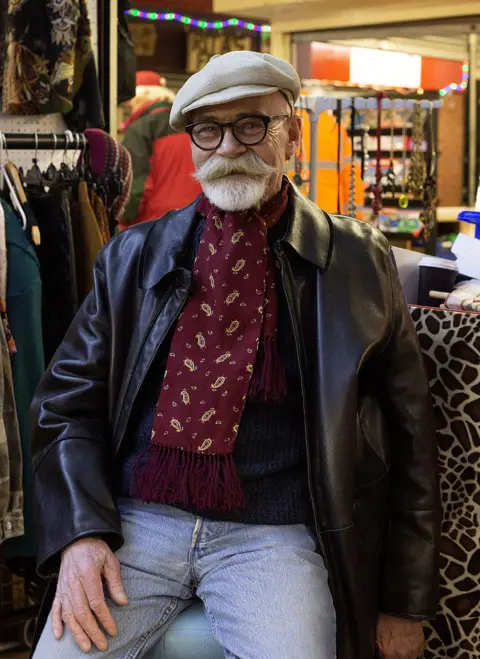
248,130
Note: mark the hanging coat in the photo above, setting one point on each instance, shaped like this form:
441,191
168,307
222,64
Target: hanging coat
87,240
56,255
24,307
333,177
11,492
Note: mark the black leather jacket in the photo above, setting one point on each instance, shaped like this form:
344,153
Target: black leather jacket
372,457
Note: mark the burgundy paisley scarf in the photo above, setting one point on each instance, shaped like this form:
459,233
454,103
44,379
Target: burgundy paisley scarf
223,350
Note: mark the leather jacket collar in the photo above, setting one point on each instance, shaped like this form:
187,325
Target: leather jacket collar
309,233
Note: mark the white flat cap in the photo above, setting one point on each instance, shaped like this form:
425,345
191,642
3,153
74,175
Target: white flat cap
232,76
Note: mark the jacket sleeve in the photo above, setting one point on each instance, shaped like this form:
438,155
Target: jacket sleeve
70,437
411,567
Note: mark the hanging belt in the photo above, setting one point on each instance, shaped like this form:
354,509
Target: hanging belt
339,150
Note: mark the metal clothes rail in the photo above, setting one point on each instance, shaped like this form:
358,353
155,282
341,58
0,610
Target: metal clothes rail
43,141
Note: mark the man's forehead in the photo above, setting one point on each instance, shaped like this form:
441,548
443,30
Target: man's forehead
228,111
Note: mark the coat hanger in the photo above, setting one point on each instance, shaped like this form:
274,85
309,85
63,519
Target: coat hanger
29,222
65,174
82,164
9,170
34,176
51,173
74,166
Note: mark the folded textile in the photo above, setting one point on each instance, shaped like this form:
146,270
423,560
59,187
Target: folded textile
465,297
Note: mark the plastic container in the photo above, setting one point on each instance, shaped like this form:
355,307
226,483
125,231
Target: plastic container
472,217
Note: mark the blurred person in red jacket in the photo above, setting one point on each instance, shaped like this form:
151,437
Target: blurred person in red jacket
161,159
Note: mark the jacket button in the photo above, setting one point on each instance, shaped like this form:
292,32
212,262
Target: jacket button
8,526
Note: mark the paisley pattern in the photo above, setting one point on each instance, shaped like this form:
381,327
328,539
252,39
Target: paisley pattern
213,366
64,18
216,342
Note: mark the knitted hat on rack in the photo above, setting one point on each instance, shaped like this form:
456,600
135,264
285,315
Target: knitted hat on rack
230,77
106,155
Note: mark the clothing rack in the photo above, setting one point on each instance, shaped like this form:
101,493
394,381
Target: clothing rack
43,141
316,104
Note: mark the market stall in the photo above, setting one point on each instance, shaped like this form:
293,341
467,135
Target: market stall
433,67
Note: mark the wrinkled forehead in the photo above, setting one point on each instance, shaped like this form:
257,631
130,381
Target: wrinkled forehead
268,105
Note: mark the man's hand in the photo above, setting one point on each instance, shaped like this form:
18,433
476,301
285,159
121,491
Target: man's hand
398,638
80,593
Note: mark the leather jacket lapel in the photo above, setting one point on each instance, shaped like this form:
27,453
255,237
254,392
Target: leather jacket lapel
310,230
169,238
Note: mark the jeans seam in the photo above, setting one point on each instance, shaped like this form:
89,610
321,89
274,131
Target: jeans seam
194,547
140,643
212,618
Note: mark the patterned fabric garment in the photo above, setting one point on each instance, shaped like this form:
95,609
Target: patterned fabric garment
11,492
50,64
211,363
465,298
450,343
12,348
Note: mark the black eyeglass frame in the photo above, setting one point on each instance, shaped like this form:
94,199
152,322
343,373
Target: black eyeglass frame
231,124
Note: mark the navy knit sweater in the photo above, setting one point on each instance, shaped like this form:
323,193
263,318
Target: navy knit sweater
270,451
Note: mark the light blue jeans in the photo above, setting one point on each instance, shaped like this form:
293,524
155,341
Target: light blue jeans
264,587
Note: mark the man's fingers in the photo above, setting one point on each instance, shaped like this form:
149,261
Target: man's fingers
93,587
57,624
113,577
84,616
102,612
68,617
398,653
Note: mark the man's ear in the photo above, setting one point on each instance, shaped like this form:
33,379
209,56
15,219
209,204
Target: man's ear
294,136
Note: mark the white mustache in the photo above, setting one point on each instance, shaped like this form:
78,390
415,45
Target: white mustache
218,167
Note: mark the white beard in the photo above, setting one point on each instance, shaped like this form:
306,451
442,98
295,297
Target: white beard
235,184
236,193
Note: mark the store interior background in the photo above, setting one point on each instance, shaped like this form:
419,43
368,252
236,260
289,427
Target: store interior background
318,38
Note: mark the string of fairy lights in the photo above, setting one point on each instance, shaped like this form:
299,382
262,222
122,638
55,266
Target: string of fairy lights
198,22
457,87
252,27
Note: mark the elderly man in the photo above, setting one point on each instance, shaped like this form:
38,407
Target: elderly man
240,413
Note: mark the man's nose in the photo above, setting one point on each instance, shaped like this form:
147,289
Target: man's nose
230,147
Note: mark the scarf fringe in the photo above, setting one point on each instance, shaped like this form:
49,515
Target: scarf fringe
269,382
175,477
